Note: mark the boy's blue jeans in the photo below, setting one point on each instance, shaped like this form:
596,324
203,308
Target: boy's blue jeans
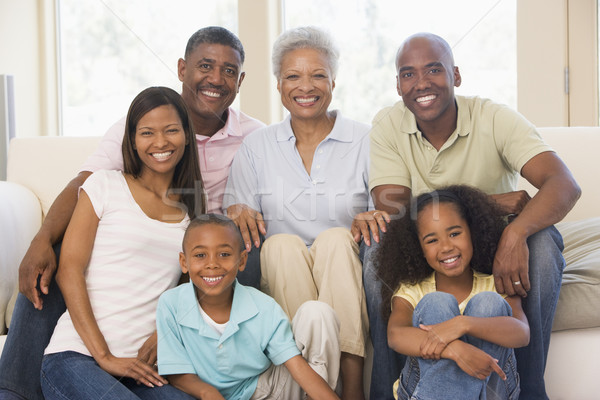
546,265
71,375
423,379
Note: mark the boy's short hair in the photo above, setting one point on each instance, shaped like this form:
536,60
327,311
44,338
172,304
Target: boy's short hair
214,219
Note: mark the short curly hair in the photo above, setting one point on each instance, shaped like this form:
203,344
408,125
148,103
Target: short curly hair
400,257
305,37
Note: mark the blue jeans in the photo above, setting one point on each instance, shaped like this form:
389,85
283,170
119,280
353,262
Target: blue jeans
386,362
71,375
250,276
423,379
29,333
546,265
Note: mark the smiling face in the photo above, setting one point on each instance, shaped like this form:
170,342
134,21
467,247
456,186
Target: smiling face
426,79
160,140
213,255
211,78
445,239
306,83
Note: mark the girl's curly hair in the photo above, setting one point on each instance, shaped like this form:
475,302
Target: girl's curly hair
400,258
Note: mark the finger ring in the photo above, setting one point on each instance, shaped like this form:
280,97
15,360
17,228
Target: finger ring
376,212
517,283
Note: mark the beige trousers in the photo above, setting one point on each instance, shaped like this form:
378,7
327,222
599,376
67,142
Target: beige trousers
316,329
330,271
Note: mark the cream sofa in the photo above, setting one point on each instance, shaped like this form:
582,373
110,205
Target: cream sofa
38,168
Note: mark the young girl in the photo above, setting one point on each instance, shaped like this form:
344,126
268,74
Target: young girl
457,331
119,254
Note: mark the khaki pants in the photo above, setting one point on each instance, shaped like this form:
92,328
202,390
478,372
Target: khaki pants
330,271
316,329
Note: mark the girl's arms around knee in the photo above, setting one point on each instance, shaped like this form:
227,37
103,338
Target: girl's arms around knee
416,342
309,380
431,340
511,332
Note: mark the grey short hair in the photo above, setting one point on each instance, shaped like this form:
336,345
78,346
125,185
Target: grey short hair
305,37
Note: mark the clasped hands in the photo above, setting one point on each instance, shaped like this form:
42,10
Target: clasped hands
442,341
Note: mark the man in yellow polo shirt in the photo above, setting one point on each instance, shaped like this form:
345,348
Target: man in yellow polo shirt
434,138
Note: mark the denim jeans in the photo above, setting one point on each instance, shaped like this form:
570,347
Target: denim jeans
250,276
423,379
71,375
386,362
546,265
29,333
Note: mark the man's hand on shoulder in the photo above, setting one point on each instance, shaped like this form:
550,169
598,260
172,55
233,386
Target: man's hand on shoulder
39,260
249,221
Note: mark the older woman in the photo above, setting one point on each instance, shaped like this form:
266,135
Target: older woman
303,183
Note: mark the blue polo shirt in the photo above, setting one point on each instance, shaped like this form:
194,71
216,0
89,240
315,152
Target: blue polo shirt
257,335
269,176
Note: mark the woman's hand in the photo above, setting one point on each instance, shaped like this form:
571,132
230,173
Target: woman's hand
147,353
139,370
472,360
369,220
250,222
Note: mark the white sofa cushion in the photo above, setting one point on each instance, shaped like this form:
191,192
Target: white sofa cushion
580,291
21,218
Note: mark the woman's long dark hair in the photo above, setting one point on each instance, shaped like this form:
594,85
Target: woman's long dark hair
400,258
187,181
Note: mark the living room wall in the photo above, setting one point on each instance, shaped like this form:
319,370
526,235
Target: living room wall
27,51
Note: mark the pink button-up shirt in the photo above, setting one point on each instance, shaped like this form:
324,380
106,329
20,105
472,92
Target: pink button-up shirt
216,154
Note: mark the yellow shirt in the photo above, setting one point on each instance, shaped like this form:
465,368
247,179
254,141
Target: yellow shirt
414,293
488,149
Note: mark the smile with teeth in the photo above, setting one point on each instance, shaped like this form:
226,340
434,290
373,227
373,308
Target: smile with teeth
212,279
162,156
449,260
426,99
305,100
210,93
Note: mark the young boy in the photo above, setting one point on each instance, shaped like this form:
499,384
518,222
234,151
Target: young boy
218,339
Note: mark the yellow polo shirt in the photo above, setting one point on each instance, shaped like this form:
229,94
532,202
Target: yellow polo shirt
414,293
487,150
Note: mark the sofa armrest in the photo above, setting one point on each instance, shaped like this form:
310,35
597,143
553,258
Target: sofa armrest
20,220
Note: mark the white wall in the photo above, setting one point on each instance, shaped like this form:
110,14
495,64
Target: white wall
20,57
28,51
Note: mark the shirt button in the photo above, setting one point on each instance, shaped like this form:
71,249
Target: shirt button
314,182
220,346
318,167
211,159
320,151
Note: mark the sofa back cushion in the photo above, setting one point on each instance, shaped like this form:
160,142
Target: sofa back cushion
46,164
577,147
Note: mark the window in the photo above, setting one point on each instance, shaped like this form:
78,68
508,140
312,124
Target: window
368,32
110,50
